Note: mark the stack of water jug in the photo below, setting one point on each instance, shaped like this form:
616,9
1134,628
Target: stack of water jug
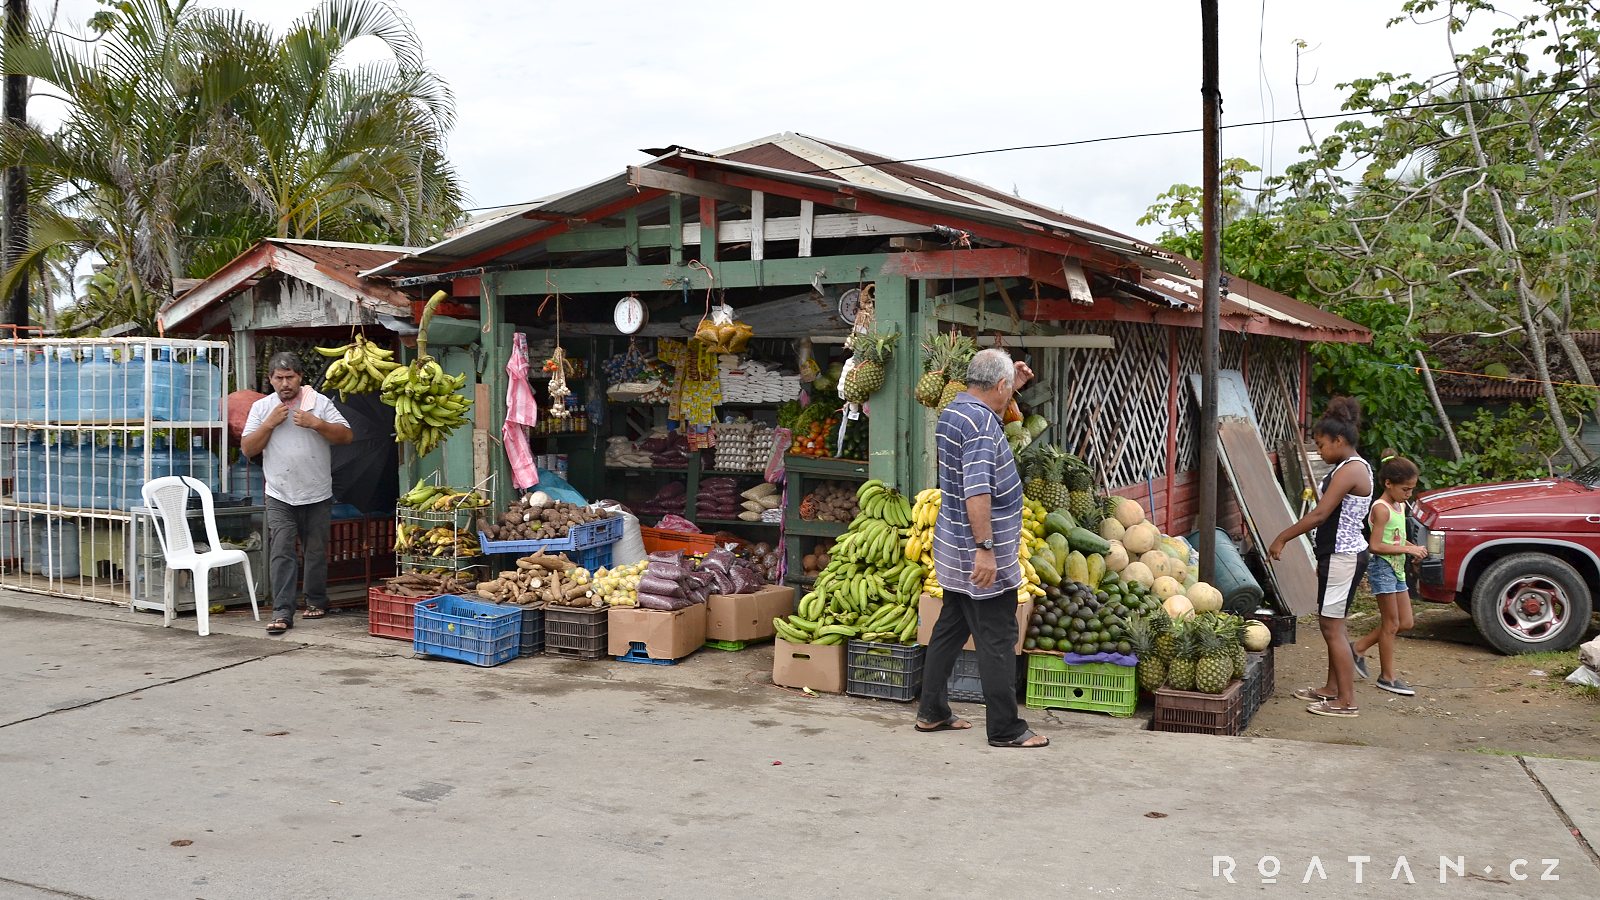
111,384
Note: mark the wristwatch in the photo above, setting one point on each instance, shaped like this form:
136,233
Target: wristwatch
986,545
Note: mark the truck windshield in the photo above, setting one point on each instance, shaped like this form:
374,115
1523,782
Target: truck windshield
1587,475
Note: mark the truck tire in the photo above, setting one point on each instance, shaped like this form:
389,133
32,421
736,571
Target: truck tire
1531,602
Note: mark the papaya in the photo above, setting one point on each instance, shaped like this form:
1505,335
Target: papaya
1046,569
1097,570
1077,568
1085,541
1060,522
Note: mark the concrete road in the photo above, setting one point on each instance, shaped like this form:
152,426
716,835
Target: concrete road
137,762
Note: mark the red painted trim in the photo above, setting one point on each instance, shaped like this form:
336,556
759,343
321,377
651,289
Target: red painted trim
1172,422
466,287
1003,262
708,229
544,234
1305,390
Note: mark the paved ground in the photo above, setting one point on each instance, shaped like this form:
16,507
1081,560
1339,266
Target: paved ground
137,762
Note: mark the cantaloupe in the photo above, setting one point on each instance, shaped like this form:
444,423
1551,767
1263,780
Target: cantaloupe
1205,598
1166,586
1178,607
1111,529
1116,557
1141,538
1129,513
1160,564
1138,571
1257,636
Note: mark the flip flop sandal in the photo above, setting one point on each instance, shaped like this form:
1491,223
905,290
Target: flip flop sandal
1021,741
313,613
1333,712
1310,695
947,725
279,626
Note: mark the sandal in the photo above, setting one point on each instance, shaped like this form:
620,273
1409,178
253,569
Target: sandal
313,613
1022,740
1312,695
279,626
953,723
1336,712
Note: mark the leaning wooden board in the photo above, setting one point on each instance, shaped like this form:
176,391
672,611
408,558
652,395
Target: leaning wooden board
1267,513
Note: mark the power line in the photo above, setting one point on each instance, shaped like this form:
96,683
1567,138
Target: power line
1177,131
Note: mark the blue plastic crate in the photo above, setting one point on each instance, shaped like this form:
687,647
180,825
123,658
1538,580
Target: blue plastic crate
579,537
638,654
592,558
453,627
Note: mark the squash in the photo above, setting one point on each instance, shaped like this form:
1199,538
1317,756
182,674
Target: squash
1097,570
1044,565
1077,568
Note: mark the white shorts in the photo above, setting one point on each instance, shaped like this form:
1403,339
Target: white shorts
1337,576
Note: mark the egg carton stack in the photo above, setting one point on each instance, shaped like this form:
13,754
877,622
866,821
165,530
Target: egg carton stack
743,447
761,501
621,453
748,381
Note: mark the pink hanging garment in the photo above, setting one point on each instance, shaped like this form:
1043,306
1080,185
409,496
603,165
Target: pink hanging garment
522,413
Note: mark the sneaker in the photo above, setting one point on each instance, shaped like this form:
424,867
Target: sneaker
1397,687
1361,661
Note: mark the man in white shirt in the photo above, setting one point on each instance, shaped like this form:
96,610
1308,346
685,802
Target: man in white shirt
293,427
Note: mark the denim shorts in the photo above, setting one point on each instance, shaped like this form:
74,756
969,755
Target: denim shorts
1383,578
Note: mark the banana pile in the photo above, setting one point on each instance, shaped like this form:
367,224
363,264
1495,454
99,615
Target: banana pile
438,541
425,497
358,367
1031,541
919,546
870,588
426,405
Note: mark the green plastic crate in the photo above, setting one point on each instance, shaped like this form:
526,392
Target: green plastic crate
1093,687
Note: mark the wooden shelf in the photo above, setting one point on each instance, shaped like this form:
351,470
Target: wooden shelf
758,524
814,528
826,466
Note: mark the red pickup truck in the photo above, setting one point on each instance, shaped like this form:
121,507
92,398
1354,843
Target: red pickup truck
1522,557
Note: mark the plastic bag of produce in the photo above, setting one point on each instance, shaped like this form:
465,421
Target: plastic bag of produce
652,583
655,601
746,581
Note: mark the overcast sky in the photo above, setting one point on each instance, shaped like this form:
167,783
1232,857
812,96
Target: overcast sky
554,95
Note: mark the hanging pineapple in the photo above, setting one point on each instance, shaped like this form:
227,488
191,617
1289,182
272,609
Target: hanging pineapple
872,351
1080,487
1044,464
945,353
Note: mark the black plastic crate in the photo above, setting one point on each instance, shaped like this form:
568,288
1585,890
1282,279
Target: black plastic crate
1254,672
965,684
532,631
884,671
1282,626
576,632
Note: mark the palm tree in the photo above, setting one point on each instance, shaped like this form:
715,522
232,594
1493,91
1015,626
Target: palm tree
192,132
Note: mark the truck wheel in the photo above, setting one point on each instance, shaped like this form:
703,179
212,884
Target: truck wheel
1531,602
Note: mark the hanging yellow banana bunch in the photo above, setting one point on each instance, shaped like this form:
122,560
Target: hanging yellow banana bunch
358,367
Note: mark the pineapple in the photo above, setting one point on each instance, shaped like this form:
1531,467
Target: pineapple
1233,633
951,389
1152,670
946,353
1166,642
1080,487
1213,670
1181,670
872,350
1046,484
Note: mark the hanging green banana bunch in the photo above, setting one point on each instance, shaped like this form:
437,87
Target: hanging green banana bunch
426,406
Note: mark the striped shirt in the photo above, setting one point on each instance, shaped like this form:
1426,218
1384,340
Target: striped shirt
974,459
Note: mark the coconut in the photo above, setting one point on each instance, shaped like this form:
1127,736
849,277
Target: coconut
1116,557
1178,607
1141,538
1111,529
1129,513
1257,636
1205,598
1166,586
1138,571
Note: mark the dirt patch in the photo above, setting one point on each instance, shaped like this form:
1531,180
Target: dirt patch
1469,698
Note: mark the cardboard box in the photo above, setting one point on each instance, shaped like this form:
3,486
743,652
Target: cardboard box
666,634
808,666
929,608
747,617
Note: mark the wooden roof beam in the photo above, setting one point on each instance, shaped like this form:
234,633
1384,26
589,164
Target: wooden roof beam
528,240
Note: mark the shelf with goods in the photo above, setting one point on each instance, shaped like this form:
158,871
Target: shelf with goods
436,528
84,424
809,536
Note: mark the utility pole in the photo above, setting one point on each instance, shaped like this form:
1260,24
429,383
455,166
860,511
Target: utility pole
14,229
1211,302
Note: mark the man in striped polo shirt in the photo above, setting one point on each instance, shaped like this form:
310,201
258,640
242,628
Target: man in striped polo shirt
975,552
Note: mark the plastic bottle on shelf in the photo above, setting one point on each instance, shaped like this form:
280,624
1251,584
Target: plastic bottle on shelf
37,388
105,473
129,393
97,378
200,463
65,390
169,387
29,475
13,384
203,388
133,474
66,474
247,482
53,547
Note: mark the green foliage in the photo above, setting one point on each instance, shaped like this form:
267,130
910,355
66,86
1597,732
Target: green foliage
1515,445
1395,410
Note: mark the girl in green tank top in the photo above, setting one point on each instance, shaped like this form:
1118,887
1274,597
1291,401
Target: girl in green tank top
1397,479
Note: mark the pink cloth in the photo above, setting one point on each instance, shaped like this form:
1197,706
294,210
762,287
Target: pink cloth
522,412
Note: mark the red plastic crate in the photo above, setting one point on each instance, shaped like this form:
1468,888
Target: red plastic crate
390,615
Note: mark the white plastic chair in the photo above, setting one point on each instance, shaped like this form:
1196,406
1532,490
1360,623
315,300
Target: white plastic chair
168,498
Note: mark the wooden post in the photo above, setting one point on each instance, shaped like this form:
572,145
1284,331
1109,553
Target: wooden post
892,416
495,338
758,225
630,228
675,226
1174,394
807,224
1211,305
